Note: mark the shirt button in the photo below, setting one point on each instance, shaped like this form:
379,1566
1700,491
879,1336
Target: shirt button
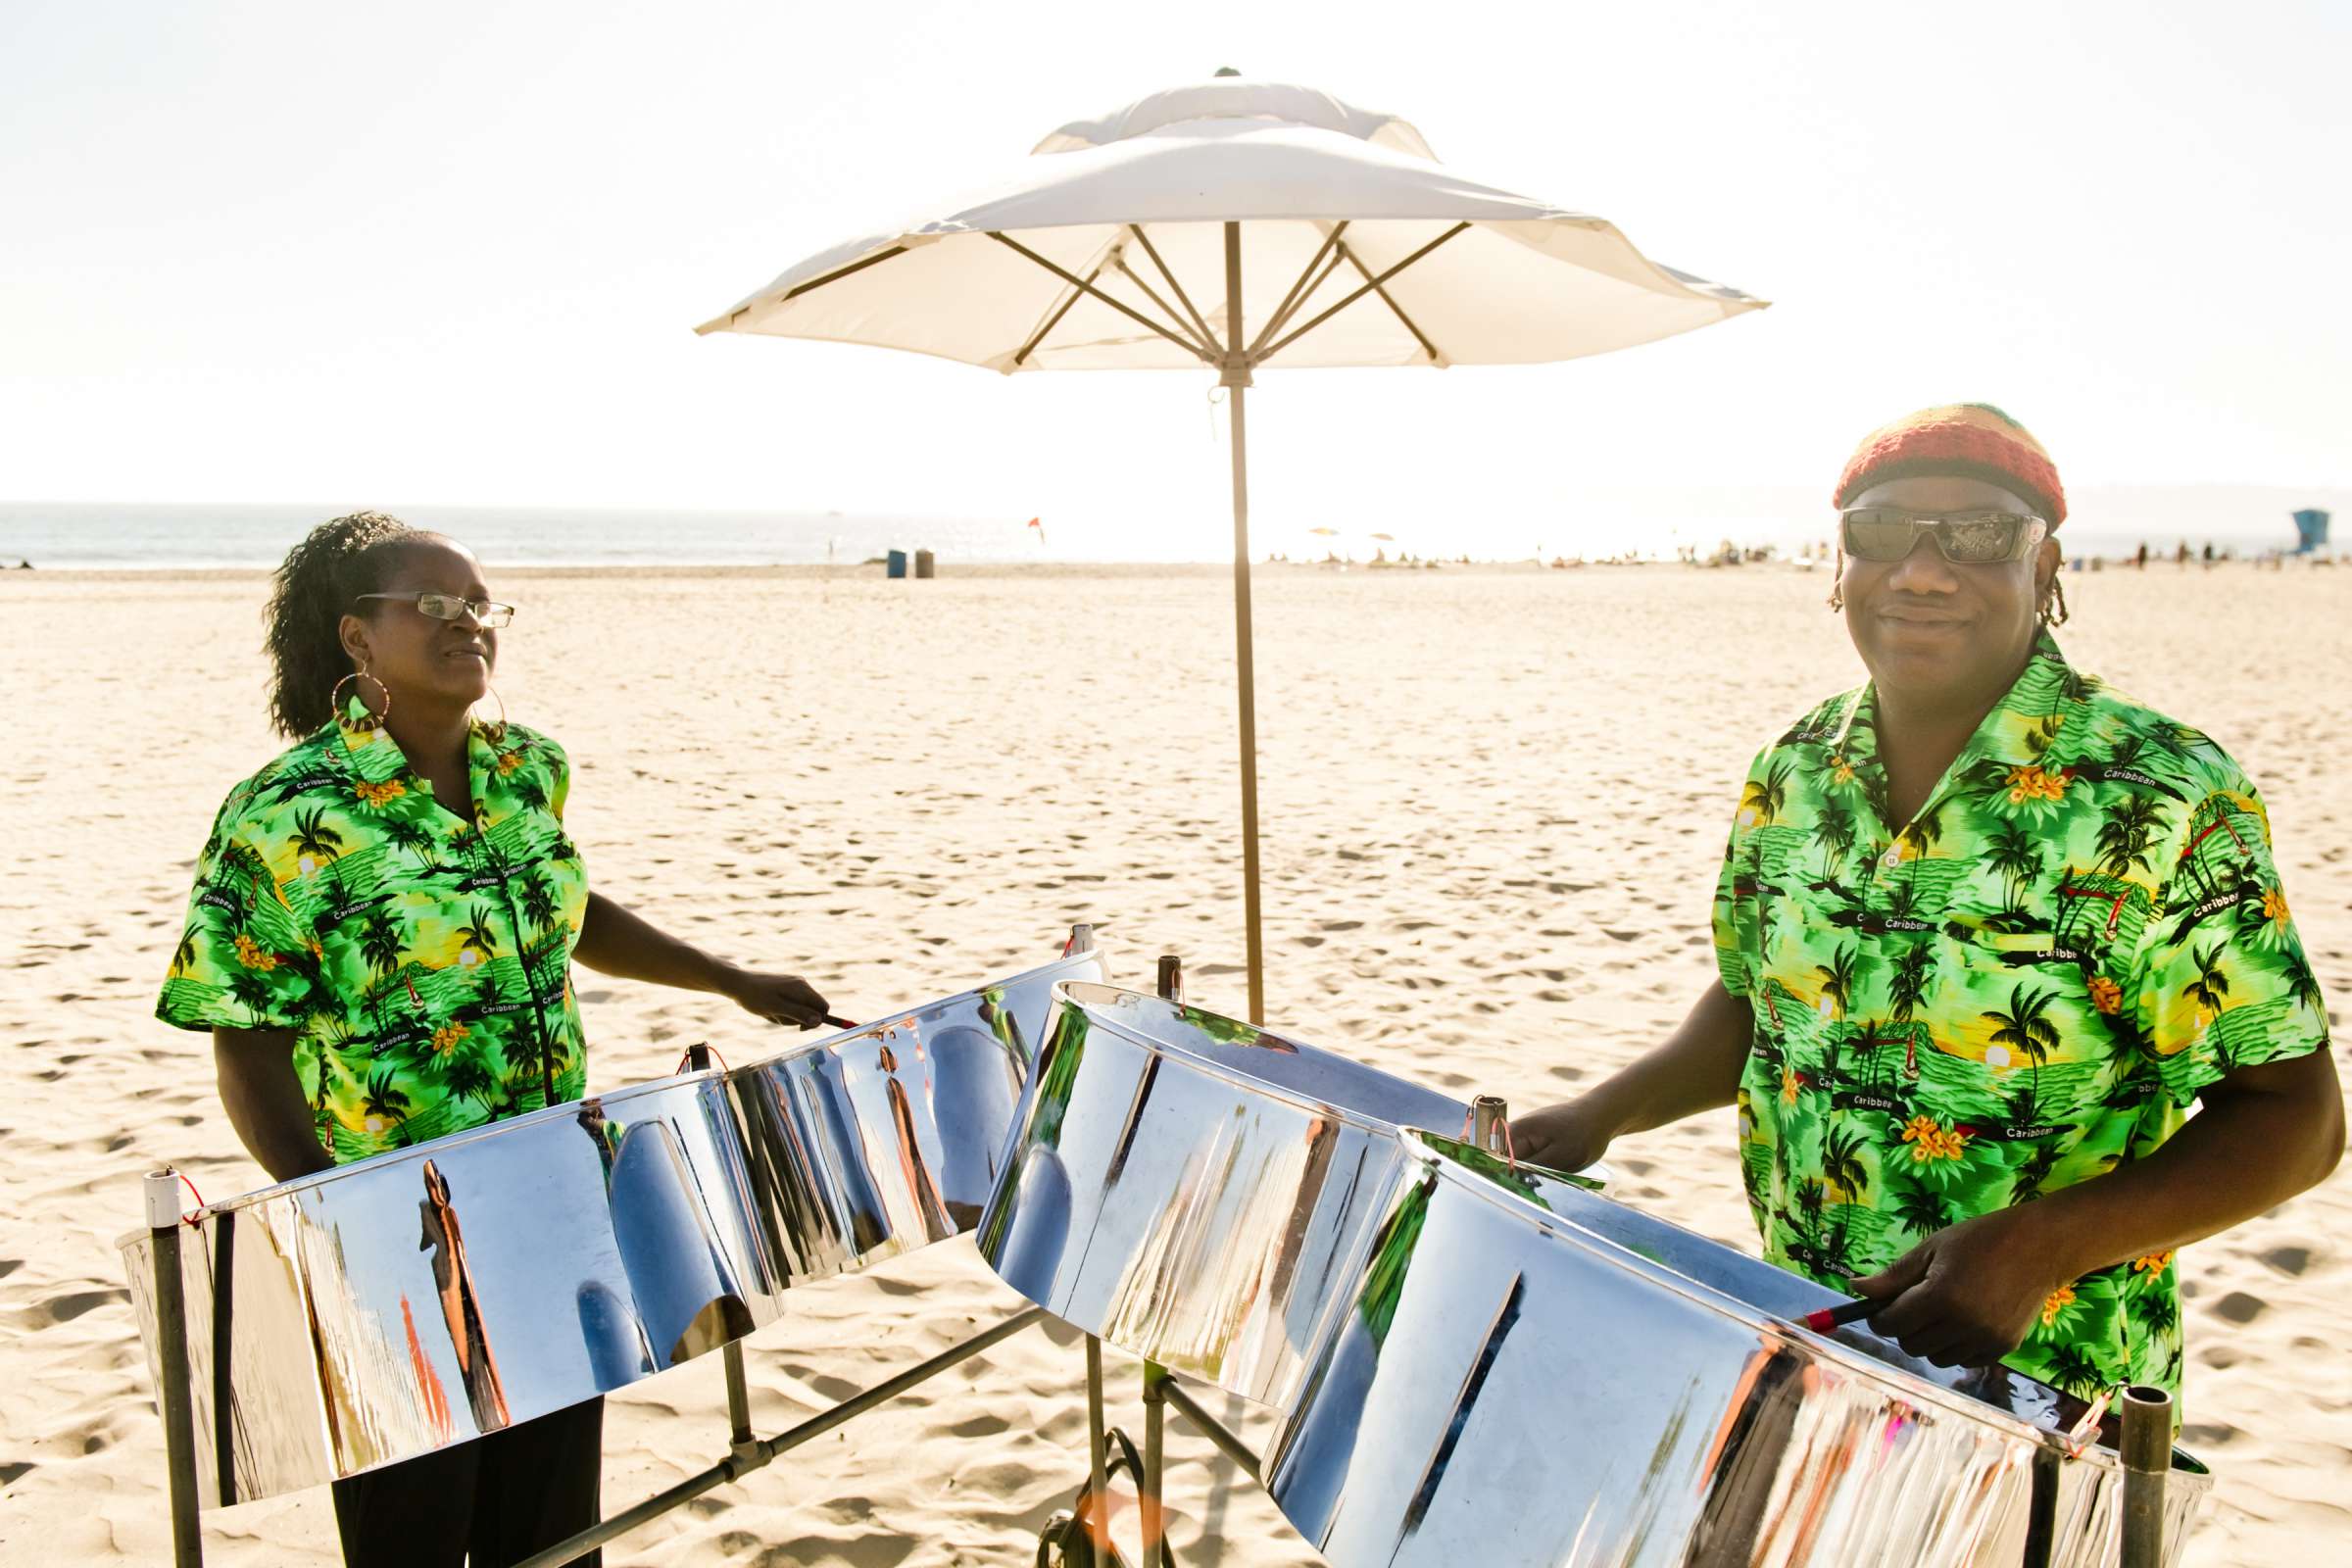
1891,859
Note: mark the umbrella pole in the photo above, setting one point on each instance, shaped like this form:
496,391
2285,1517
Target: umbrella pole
1236,382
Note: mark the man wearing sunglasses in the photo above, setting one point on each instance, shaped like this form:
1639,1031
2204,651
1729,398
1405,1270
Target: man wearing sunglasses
1987,931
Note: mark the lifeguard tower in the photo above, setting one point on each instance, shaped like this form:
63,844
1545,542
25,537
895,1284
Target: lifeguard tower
2311,531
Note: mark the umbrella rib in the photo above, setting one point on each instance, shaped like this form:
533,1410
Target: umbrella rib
1357,294
840,273
1177,288
1291,308
1301,290
1135,278
1053,320
1426,346
1085,287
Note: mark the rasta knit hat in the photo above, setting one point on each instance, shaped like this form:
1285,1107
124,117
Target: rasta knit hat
1970,440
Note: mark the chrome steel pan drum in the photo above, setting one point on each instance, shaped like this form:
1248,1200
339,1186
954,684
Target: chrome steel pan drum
1500,1383
393,1307
1191,1189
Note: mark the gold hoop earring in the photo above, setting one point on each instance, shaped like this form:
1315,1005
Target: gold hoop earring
1837,600
494,733
375,717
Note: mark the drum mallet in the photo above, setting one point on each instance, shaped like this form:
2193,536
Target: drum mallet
2146,1449
1830,1317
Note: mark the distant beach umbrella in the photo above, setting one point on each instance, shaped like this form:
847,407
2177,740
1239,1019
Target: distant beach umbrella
1328,533
1237,225
1385,538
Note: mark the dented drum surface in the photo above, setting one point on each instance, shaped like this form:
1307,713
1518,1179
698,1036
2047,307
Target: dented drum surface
1521,1374
393,1307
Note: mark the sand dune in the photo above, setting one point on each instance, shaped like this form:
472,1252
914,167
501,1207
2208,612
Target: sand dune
1493,804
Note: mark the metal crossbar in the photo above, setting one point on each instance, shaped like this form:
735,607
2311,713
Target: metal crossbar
752,1454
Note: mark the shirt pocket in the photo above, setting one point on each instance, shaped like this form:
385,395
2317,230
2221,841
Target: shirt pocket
2061,978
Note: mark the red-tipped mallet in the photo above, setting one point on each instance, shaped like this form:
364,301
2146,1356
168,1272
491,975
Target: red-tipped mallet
1830,1317
832,1022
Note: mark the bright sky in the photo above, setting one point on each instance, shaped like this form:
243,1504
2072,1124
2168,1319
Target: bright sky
454,252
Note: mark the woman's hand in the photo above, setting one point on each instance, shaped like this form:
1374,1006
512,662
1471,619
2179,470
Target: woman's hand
1565,1137
785,999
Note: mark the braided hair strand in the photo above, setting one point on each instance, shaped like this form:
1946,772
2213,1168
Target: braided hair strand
319,579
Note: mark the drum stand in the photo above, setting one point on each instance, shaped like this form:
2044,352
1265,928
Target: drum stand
1083,1540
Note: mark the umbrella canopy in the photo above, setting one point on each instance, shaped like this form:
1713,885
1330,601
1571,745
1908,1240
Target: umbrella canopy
1106,252
1237,225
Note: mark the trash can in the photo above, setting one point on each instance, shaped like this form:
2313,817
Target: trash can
898,563
927,564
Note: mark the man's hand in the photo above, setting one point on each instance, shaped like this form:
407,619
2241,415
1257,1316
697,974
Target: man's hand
1564,1137
1967,1296
784,999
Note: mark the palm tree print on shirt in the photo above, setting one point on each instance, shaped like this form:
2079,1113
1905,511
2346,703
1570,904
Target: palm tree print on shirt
2027,1028
2081,929
313,842
395,980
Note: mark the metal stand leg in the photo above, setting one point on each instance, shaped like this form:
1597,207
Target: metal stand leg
1148,1484
2147,1455
739,1398
1489,1115
1150,1496
1097,1453
171,1391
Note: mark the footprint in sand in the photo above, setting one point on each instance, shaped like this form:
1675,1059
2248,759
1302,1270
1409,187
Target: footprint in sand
2240,1307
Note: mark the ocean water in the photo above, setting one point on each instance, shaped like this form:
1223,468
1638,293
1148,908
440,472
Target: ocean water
1657,523
100,536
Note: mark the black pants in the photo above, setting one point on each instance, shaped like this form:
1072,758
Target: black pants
500,1497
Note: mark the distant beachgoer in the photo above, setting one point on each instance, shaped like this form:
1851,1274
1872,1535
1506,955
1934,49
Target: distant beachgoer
2142,561
361,999
1987,930
2181,560
2208,555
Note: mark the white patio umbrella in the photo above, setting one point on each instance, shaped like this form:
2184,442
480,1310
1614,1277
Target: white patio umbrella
1237,225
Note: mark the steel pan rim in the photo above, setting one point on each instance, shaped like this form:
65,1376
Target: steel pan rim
1066,991
1417,1148
319,1180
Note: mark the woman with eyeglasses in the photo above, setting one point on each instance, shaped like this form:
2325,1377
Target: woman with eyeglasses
380,941
1987,931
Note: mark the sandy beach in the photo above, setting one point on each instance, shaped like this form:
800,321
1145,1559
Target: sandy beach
1493,804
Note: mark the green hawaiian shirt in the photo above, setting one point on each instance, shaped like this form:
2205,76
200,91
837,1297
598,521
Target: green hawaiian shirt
421,959
2019,988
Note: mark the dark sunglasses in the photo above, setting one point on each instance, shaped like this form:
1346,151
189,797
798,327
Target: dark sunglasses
1964,538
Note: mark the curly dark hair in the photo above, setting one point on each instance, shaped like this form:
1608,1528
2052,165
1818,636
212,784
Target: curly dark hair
319,579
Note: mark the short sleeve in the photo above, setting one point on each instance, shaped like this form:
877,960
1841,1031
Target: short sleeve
2221,980
243,961
1737,944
